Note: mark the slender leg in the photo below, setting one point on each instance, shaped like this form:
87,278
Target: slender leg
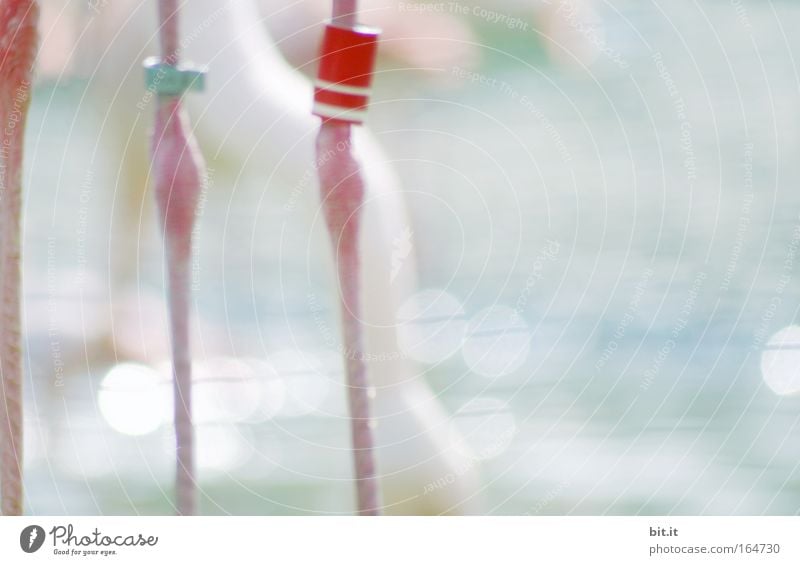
178,170
345,12
342,195
11,355
342,190
18,44
179,301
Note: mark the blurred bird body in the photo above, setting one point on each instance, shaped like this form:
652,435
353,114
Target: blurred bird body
255,114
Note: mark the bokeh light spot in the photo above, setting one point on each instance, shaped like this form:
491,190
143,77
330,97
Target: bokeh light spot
780,361
132,399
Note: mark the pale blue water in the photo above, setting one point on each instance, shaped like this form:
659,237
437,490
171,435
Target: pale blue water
639,219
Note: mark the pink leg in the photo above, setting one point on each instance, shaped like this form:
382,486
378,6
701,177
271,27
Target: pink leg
178,169
345,12
179,292
11,355
18,44
342,195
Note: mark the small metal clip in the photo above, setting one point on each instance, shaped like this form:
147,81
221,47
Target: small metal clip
169,80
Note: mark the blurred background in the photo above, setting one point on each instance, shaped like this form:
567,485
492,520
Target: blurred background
605,213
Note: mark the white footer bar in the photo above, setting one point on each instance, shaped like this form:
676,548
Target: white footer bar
406,541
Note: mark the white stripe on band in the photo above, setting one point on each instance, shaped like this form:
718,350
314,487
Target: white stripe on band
338,112
340,88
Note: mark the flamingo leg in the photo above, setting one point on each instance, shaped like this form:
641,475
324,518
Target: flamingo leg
345,12
11,355
18,45
178,172
342,196
342,188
